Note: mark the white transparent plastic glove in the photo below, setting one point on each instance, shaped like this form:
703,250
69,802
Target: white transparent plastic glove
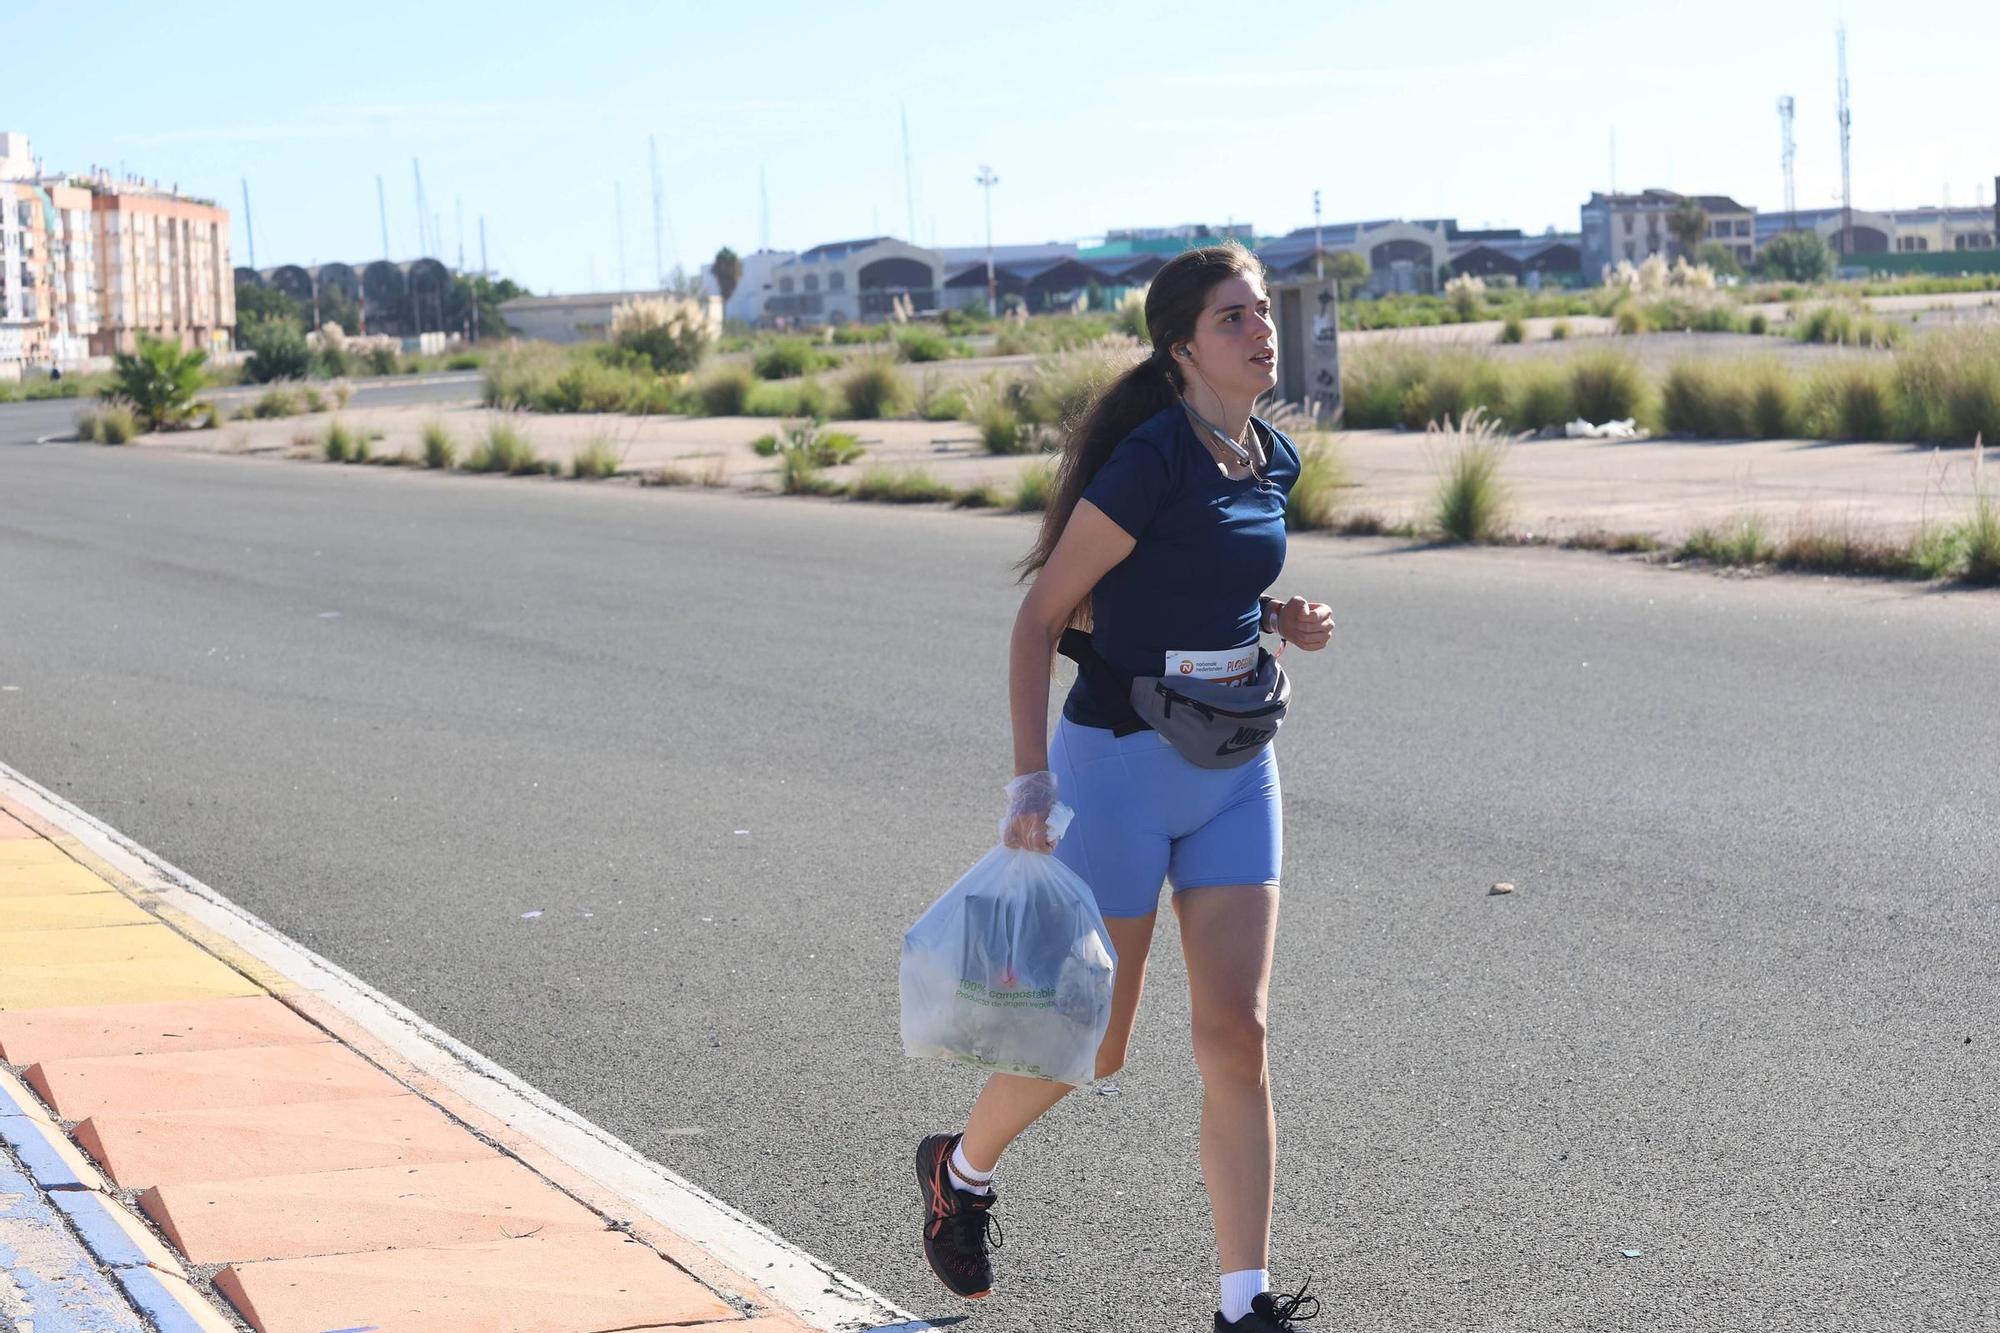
1035,820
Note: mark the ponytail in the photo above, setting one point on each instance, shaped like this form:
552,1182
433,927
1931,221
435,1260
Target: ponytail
1174,304
1119,408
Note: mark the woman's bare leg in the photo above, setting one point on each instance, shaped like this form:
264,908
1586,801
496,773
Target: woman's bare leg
1227,934
1008,1103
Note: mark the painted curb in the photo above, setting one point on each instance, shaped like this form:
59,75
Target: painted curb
167,1300
52,1282
44,1158
111,1233
826,1298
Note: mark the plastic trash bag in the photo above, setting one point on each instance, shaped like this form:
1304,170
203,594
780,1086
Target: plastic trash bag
1010,970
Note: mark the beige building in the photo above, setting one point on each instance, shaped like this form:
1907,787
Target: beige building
163,268
48,265
1630,228
87,264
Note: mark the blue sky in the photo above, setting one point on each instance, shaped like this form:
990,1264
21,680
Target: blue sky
1093,115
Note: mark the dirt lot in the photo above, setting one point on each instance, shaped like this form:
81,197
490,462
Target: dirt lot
1663,488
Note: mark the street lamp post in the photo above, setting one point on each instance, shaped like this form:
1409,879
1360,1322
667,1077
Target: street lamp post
987,180
1319,251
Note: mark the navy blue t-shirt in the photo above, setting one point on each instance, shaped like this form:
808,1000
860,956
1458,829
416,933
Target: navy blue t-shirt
1208,547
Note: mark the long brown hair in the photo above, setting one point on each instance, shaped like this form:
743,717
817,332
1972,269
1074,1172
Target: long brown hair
1173,306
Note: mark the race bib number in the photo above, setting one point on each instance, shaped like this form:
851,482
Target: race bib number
1228,666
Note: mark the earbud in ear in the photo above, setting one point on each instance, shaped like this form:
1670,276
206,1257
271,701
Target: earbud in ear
1185,354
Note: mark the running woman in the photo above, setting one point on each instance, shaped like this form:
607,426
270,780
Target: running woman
1165,526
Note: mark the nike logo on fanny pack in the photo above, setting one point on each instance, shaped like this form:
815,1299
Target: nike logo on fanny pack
1246,738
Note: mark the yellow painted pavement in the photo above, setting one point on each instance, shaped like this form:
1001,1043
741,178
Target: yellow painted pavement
109,965
42,880
31,852
66,911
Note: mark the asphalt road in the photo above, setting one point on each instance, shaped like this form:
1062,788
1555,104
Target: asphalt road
26,422
1739,1017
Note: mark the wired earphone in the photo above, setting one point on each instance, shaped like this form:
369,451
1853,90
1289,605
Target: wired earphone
1223,437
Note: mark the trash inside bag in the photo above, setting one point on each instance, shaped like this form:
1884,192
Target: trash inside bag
1010,971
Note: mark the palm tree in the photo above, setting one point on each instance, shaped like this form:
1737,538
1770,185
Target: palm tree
728,270
1689,223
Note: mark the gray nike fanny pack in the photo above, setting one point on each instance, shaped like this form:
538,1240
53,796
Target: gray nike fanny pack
1212,724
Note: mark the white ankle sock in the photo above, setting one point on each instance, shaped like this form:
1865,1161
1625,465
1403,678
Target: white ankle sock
1239,1287
965,1176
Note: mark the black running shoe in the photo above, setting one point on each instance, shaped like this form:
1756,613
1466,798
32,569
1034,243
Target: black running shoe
958,1227
1272,1312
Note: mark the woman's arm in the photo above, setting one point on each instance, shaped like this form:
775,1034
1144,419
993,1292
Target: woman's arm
1091,546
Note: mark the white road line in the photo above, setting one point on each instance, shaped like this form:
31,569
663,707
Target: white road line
825,1297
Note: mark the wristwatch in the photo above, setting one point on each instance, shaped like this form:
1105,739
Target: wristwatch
1267,614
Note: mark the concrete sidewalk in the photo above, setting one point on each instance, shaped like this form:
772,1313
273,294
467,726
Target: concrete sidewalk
227,1146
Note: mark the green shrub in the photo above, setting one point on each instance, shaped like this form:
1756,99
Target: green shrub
1559,331
1606,385
1947,386
765,446
597,378
669,334
505,449
1374,382
1456,381
339,444
1539,396
724,391
855,335
383,360
1629,320
277,401
1758,323
1980,541
789,358
1315,495
362,451
1743,541
912,486
1470,503
983,496
806,398
463,361
1850,400
992,407
595,460
1064,383
278,351
1839,547
837,447
315,401
810,441
1936,551
874,388
799,473
1032,487
1130,317
919,344
330,360
935,404
1845,327
1731,400
440,450
1513,329
107,423
159,380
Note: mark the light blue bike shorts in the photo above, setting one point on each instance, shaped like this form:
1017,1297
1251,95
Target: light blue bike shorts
1144,815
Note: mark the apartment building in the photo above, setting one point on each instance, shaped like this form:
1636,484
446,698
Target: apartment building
1631,227
89,263
48,267
163,265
